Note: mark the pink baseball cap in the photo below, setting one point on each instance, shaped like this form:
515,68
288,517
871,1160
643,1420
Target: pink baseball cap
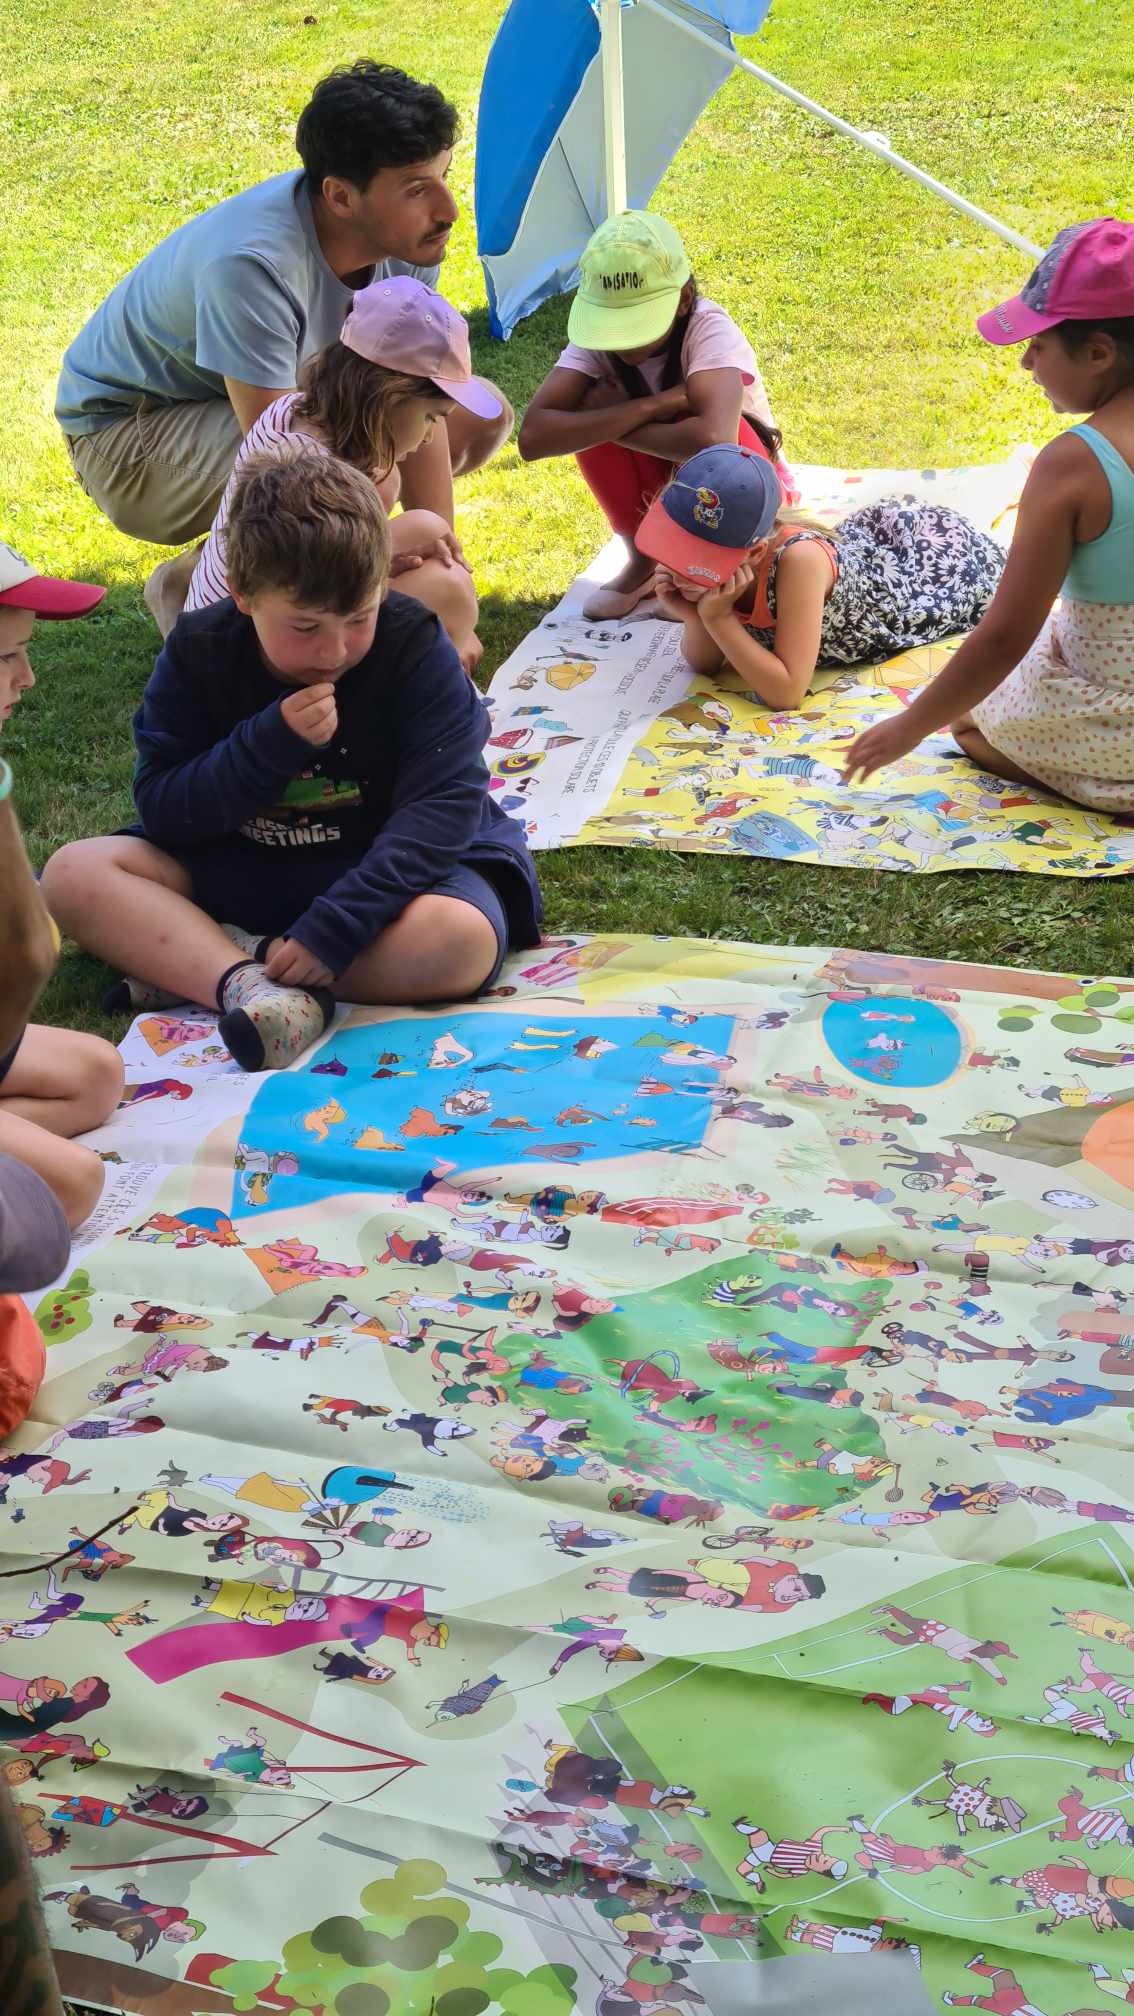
404,326
1086,275
22,588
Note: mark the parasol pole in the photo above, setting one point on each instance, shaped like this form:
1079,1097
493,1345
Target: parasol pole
613,106
843,126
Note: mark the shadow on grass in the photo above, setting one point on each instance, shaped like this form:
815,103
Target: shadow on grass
523,362
504,623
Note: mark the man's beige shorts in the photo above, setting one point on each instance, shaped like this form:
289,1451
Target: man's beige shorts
160,472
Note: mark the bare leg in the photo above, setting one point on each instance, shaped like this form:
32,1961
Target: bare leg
968,737
63,1080
439,949
446,589
128,902
168,585
474,442
630,585
73,1172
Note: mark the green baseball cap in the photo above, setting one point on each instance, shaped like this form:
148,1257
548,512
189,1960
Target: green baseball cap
632,274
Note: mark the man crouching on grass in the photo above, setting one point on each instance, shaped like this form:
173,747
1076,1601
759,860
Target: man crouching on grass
314,813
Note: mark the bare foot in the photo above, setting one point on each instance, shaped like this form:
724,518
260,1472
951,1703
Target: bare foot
630,585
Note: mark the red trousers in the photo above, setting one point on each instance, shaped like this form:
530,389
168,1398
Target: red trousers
625,482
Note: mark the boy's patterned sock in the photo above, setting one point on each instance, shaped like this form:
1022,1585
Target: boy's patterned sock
254,944
263,1026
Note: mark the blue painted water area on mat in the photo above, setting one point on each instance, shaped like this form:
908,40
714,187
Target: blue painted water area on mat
534,1088
894,1041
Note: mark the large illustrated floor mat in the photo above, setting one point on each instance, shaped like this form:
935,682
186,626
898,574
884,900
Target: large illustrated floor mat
550,1503
602,735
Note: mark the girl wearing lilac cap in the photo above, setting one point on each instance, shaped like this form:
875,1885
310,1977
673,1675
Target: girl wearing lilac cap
399,366
773,594
1043,691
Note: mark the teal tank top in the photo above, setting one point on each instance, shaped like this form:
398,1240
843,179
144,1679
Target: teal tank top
1102,570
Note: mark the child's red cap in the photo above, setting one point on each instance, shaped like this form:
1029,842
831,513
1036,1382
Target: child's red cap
22,588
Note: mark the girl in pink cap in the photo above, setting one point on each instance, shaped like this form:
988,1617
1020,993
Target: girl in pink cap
401,363
1042,693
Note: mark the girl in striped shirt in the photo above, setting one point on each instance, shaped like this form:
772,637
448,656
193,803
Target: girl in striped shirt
371,399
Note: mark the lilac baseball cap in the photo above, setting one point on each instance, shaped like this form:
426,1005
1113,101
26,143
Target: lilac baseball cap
404,326
1086,275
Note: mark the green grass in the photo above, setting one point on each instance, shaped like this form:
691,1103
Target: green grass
859,292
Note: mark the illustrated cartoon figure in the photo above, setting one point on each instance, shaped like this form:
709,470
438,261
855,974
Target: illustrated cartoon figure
151,1317
765,1857
335,1412
1063,1714
940,1699
256,1169
40,1840
1097,1624
250,1760
155,1088
1069,1889
874,1938
995,1812
877,1852
469,1699
350,1666
938,1636
768,1586
572,1779
1098,1826
600,1634
321,1119
1003,1996
430,1429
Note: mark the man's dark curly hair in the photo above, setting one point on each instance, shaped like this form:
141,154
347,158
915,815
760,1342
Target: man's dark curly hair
366,116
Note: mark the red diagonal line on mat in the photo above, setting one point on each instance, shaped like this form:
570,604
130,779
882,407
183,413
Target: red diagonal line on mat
229,1843
311,1729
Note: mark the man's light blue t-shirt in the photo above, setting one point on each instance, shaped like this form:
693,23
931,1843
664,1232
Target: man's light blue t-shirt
242,291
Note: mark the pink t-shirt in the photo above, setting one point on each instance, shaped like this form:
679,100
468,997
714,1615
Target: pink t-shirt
712,343
270,432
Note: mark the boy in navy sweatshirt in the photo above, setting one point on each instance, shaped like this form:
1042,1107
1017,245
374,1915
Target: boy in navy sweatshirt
310,788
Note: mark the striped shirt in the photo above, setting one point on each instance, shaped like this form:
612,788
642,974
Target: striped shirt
270,433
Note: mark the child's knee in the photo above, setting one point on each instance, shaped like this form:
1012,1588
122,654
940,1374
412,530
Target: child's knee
99,1075
416,528
73,875
459,947
470,946
77,1182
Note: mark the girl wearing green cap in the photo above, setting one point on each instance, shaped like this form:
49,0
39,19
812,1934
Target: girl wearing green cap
652,373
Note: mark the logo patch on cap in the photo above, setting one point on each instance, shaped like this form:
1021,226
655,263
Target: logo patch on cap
707,509
617,283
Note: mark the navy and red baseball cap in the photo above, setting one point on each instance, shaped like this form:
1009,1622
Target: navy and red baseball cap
22,588
711,512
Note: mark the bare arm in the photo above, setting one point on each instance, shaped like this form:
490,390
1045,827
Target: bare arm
779,677
697,647
27,1979
27,949
249,401
427,477
564,417
713,416
1037,562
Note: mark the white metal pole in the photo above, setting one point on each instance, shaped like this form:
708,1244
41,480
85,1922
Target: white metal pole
613,106
850,132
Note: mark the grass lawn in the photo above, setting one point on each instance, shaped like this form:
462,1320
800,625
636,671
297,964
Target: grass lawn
859,292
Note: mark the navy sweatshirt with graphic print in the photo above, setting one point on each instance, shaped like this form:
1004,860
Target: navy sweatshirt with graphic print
392,804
